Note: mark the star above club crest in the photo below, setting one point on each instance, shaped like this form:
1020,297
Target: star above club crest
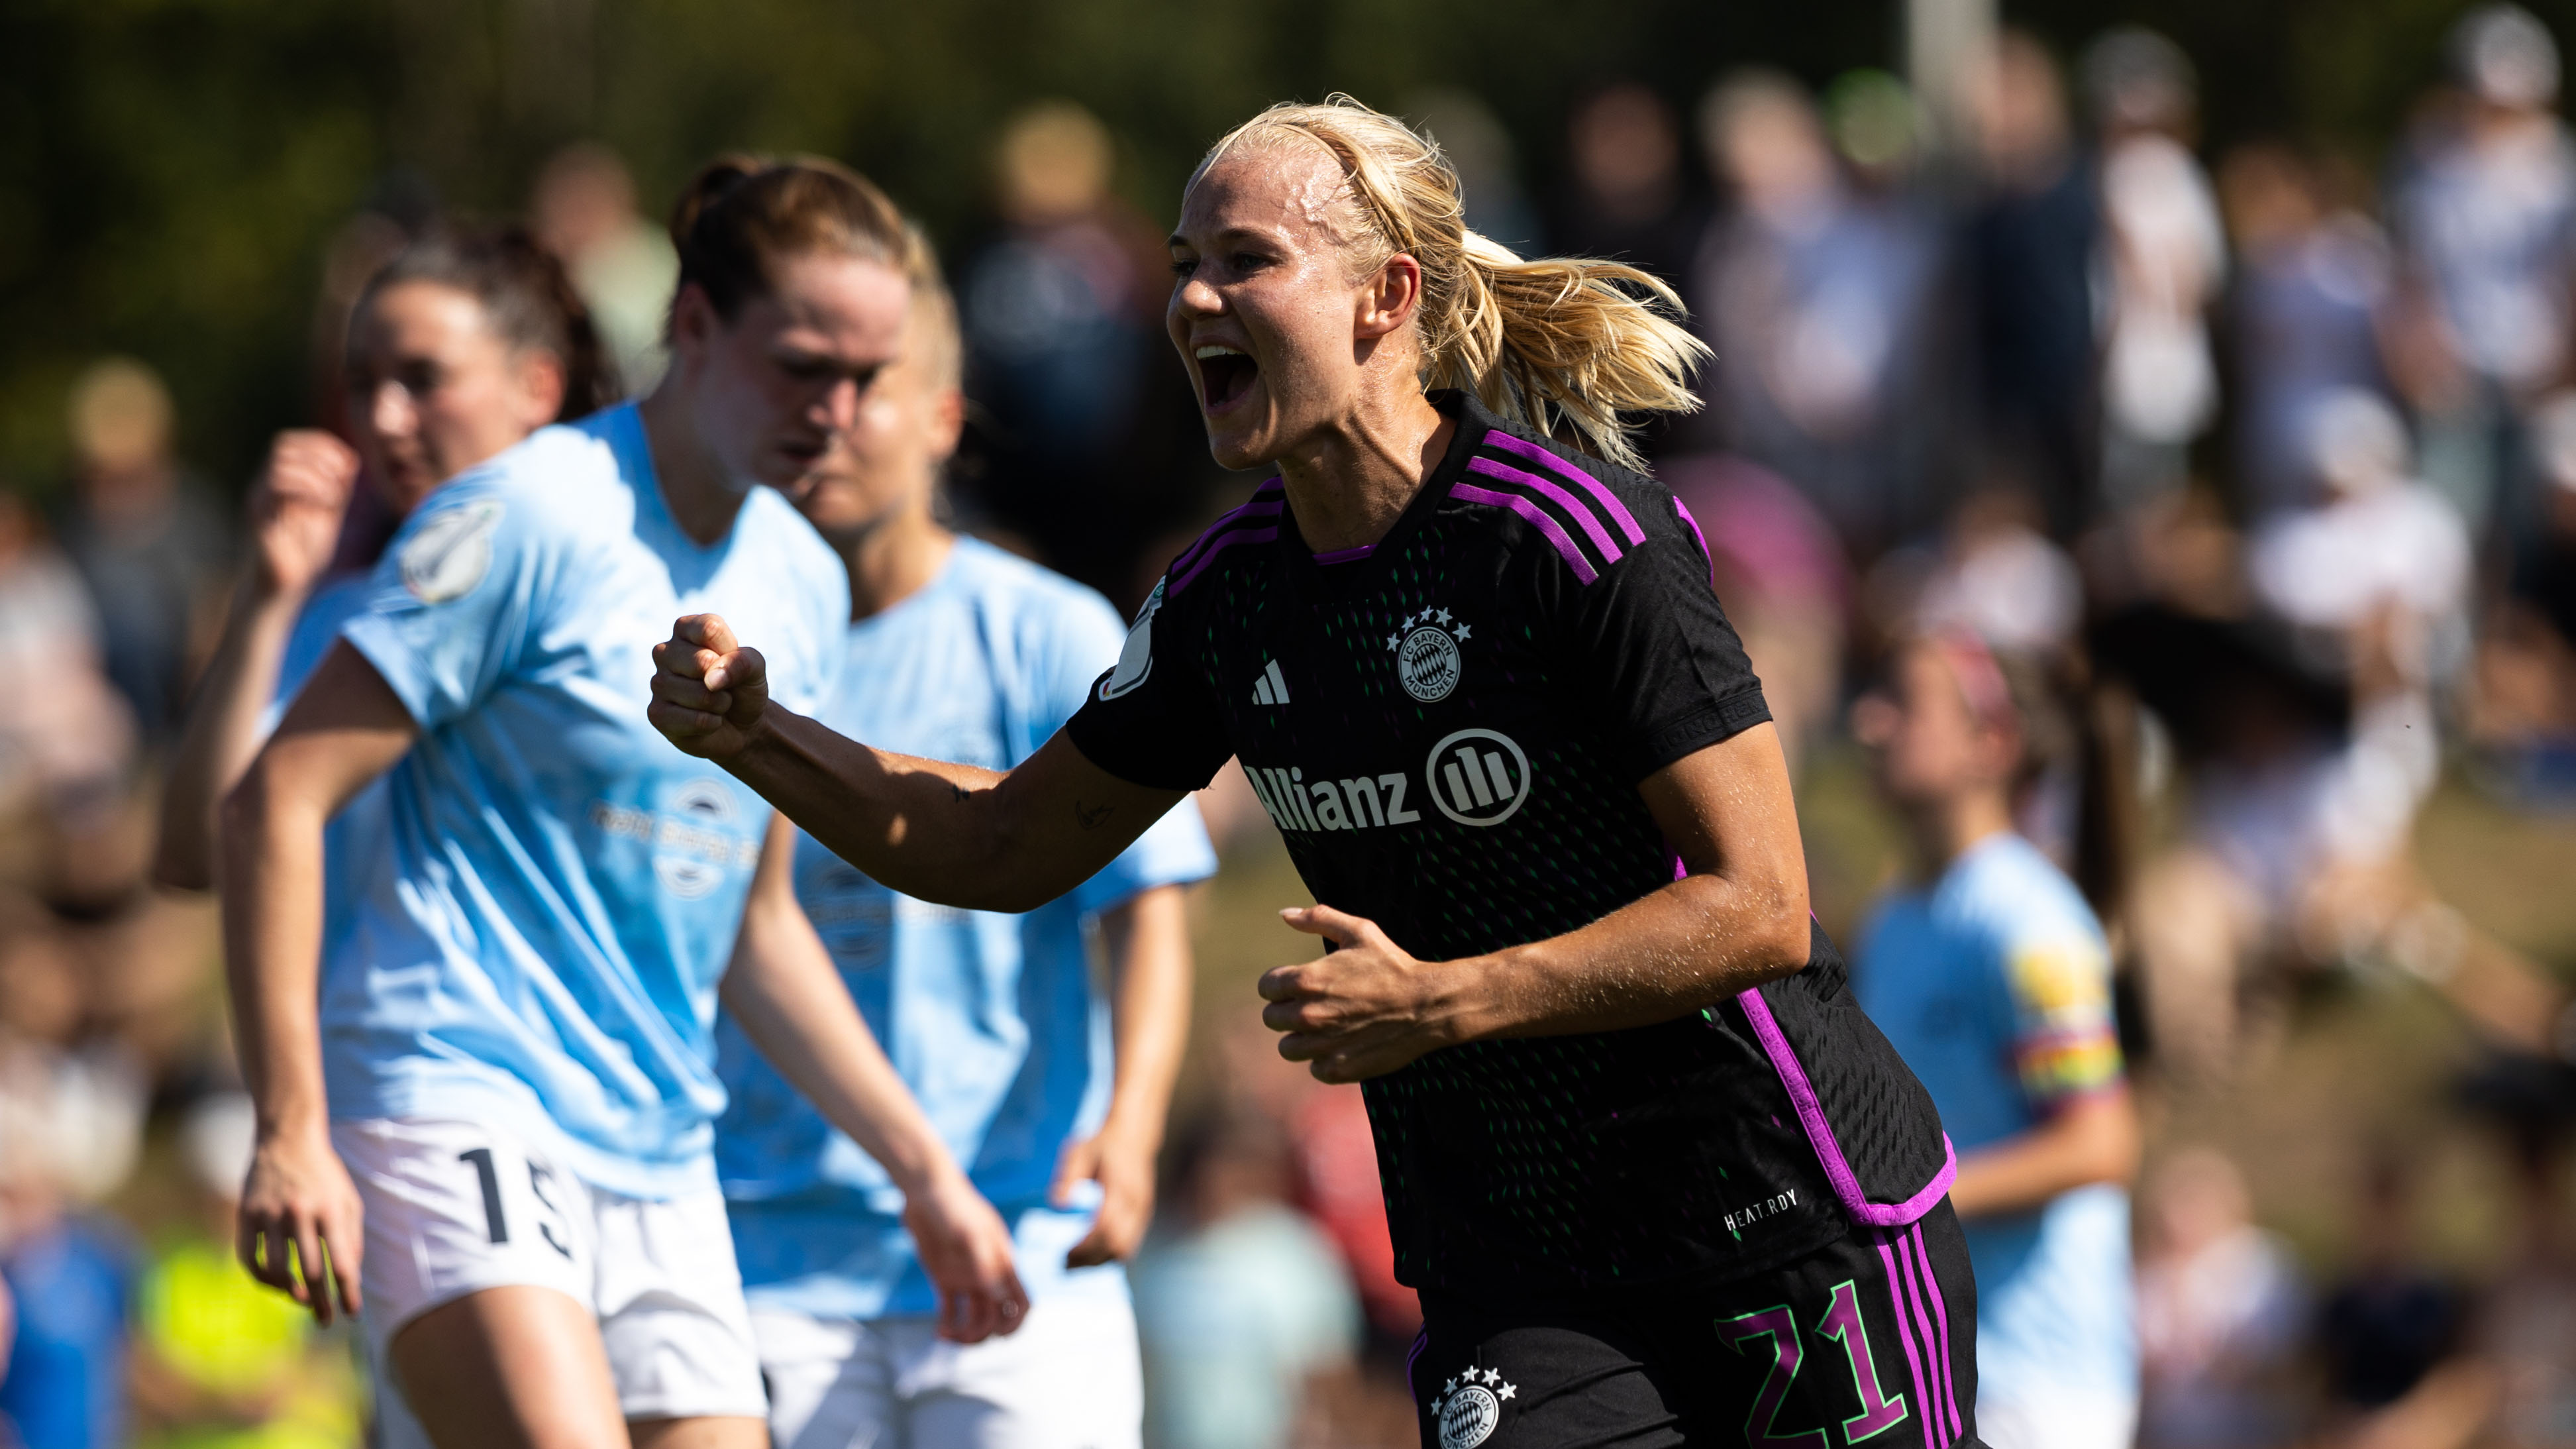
1451,1387
1440,614
1394,641
1462,633
1509,1390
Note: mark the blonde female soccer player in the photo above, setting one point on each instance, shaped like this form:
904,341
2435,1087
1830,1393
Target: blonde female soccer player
1658,1179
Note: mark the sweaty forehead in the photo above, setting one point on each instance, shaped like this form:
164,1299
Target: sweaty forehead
843,304
1285,185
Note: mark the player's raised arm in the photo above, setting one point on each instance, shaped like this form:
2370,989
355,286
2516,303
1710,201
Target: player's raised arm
295,512
954,834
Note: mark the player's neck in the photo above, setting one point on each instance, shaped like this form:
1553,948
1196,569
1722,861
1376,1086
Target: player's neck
1350,483
894,559
1948,829
702,498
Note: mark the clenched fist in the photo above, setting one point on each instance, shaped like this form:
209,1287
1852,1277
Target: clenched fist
708,689
295,510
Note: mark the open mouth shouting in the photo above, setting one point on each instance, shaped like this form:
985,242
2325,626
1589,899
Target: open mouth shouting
1225,375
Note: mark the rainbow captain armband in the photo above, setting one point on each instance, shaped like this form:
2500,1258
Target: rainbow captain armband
2054,1068
2068,1043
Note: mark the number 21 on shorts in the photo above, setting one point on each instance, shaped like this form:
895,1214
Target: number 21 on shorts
1778,1326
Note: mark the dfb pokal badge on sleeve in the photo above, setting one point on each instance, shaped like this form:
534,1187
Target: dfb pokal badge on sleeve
1468,1407
1427,663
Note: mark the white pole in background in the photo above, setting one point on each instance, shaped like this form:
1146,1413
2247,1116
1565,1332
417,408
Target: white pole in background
1945,41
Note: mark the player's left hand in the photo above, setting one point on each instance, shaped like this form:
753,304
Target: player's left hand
1363,1010
1122,1162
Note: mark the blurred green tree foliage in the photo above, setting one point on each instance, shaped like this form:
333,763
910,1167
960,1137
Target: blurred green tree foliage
171,170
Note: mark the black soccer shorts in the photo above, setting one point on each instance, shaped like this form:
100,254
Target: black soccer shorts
1869,1340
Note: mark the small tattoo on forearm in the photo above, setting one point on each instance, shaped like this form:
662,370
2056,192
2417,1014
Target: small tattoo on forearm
1090,816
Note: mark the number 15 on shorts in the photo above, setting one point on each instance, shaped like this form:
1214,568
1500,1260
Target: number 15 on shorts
550,1224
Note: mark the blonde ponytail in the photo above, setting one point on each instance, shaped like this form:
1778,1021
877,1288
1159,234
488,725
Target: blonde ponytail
1563,344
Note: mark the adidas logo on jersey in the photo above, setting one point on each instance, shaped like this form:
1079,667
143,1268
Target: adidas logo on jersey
1474,777
1270,686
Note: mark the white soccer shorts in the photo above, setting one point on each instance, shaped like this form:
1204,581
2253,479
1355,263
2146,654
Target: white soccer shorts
456,1207
1070,1378
2105,1419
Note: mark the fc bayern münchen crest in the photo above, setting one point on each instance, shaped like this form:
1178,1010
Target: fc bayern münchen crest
1426,654
1468,1411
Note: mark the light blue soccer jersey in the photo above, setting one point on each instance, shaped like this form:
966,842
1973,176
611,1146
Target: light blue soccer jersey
993,1020
540,948
1995,986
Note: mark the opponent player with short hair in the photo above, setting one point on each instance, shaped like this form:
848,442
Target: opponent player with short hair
513,1091
1656,1176
1037,1083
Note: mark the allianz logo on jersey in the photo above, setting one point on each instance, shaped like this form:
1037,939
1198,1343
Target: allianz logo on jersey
1474,777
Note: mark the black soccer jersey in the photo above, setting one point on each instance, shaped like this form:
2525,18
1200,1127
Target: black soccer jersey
1449,728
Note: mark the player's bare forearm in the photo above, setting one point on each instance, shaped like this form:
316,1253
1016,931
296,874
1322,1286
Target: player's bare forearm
1737,920
1370,1007
272,927
937,832
222,735
2093,1138
346,728
784,992
1689,945
944,832
1148,940
1149,964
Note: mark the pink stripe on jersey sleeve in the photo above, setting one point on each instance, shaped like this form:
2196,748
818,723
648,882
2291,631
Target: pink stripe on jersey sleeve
1699,538
1591,525
1537,518
1497,438
1220,544
1253,512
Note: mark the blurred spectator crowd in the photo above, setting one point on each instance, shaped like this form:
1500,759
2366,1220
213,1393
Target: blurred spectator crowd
2274,448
